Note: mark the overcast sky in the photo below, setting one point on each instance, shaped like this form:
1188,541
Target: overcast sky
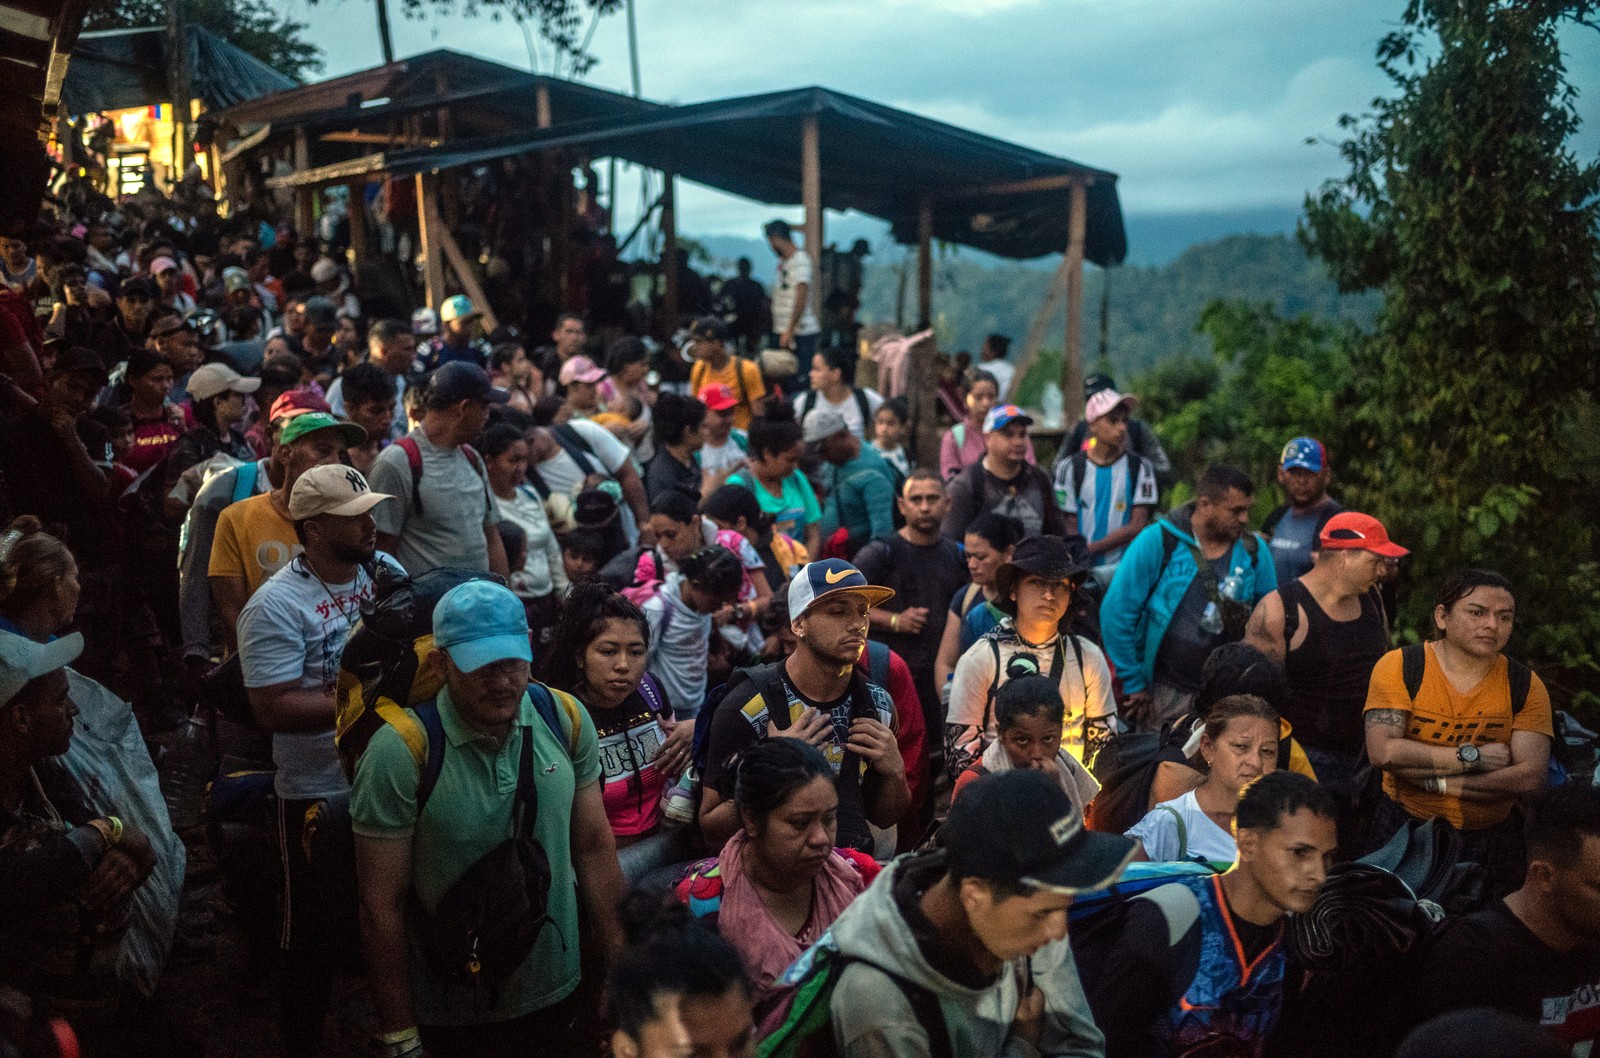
1199,105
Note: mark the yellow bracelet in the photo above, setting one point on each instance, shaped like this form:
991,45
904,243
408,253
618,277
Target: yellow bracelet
402,1036
116,828
894,623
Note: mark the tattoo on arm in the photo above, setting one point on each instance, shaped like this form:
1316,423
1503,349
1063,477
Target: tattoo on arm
1397,718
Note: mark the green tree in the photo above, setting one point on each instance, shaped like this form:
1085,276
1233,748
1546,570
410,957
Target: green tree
252,25
1466,207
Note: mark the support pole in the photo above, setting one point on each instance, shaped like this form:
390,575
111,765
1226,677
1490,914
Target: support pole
541,105
464,273
383,32
1072,356
925,264
811,197
432,252
669,253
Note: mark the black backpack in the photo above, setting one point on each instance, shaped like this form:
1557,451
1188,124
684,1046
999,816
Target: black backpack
1126,767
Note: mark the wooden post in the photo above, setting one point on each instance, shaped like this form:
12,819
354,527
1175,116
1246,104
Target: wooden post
811,197
1041,322
669,252
925,264
541,105
1072,355
357,191
432,252
464,273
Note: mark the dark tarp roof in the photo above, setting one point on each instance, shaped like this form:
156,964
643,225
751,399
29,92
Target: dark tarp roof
377,95
121,68
875,159
36,40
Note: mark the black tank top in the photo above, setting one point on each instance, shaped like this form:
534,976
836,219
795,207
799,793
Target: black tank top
1329,673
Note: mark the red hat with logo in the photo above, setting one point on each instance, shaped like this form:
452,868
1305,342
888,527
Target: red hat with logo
1354,531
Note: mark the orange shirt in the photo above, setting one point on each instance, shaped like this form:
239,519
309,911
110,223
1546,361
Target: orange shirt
1444,716
252,541
753,389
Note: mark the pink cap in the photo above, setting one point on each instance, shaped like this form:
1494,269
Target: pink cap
162,264
580,369
1105,402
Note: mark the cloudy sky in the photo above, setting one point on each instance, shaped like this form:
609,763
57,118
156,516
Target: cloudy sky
1202,106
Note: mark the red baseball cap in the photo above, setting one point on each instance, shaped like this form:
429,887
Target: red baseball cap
718,397
1354,531
295,402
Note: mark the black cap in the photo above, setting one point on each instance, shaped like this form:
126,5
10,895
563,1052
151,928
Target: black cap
321,312
1020,826
170,324
1040,556
1095,383
709,328
460,380
80,361
138,285
593,509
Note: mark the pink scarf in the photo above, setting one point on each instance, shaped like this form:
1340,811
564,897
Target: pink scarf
766,947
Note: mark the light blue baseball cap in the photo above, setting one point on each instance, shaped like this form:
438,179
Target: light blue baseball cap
481,622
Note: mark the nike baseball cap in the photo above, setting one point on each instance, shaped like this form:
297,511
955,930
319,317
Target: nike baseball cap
831,576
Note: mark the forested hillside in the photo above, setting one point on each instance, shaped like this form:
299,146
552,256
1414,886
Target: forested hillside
1153,311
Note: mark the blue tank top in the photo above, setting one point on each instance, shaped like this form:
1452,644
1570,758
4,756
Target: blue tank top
1228,999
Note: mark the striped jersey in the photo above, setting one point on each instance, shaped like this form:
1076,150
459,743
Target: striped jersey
1104,499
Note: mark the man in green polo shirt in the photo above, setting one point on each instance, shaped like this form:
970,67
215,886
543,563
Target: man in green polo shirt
481,635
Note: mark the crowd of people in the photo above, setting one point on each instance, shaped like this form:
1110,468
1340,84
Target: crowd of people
723,719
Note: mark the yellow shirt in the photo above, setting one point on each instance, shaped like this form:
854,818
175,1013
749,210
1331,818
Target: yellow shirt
1444,716
253,541
754,388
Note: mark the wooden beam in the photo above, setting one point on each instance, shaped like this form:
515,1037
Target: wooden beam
1072,262
384,139
357,190
432,251
541,105
1019,187
463,269
925,264
811,197
1041,322
669,249
337,173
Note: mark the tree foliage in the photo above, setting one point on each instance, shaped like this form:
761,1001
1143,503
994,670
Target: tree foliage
566,25
251,25
1473,399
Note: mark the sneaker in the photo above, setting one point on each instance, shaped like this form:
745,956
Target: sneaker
678,802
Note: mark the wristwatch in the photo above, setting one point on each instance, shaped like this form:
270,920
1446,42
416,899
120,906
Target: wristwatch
1468,754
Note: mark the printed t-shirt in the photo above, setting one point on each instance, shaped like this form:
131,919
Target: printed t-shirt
630,736
153,439
1104,500
294,630
469,813
252,541
1491,959
1294,539
1443,716
456,507
793,271
741,376
564,475
792,511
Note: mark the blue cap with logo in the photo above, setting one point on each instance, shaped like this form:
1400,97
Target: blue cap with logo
1306,453
831,576
1002,415
481,622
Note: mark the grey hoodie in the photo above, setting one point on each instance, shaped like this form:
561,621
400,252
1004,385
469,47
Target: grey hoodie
872,1018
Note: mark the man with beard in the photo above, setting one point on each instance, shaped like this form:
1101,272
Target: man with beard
292,633
1304,469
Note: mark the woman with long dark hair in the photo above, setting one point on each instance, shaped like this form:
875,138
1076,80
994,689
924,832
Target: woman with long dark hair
598,655
776,447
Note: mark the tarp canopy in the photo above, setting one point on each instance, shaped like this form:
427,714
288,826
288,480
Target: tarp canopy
121,68
995,196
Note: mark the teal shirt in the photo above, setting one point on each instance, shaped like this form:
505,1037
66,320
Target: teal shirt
862,497
468,814
791,512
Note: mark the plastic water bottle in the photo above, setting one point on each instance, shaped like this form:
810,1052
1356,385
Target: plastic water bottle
1211,620
1051,405
1232,586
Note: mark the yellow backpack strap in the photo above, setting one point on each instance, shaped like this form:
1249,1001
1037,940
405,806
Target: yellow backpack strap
406,726
572,711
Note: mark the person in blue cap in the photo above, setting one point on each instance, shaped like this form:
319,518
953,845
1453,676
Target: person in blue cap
406,856
1303,472
816,694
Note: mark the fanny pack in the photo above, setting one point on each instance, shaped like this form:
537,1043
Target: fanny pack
489,920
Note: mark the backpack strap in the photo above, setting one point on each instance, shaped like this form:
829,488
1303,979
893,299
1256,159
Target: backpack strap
878,663
973,591
863,407
432,764
1521,680
697,376
244,480
1291,615
1079,461
552,705
474,458
994,685
1183,831
959,432
1169,544
408,445
573,443
1413,663
807,401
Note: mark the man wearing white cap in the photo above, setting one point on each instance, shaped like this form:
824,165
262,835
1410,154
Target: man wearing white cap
292,633
1107,491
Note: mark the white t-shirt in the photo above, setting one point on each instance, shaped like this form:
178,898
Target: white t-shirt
720,457
563,474
1002,370
294,628
793,271
1159,832
679,642
850,408
337,406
